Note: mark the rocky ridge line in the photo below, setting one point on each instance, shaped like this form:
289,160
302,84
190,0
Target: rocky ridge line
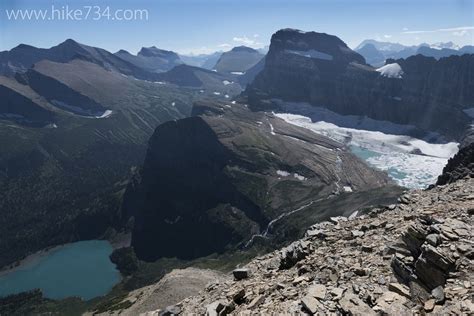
411,258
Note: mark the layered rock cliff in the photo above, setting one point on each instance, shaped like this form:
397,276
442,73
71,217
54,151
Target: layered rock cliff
320,69
462,164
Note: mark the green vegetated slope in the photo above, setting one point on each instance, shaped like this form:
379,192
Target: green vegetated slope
63,181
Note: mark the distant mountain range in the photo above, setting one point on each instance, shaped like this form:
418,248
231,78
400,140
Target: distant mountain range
206,61
193,155
74,120
152,59
376,52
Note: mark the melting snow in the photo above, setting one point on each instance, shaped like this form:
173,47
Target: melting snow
106,114
299,177
283,173
391,71
226,82
217,93
239,73
395,154
272,131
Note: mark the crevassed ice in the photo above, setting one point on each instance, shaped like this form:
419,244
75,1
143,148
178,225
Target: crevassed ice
395,154
391,71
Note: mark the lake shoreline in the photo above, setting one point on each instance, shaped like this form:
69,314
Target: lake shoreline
119,241
29,260
50,271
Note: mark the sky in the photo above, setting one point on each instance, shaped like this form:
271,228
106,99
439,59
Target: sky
204,26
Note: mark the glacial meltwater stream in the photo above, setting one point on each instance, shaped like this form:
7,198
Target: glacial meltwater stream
81,269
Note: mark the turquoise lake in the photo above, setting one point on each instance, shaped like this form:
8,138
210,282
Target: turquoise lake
80,269
365,154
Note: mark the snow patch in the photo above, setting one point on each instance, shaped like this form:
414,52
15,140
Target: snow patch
238,73
106,114
80,111
299,177
272,131
283,173
216,93
226,82
347,188
391,71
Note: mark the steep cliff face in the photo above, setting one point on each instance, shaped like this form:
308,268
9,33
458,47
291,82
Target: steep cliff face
320,69
211,182
462,164
20,104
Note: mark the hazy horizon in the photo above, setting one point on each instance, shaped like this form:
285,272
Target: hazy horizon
198,26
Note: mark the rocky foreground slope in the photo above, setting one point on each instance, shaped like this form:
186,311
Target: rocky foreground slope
411,258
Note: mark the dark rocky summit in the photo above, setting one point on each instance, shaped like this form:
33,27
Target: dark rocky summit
152,59
239,59
462,164
373,56
212,181
320,69
23,57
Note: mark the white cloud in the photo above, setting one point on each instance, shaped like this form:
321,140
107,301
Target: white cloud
460,33
387,36
405,29
453,29
196,50
224,45
251,42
